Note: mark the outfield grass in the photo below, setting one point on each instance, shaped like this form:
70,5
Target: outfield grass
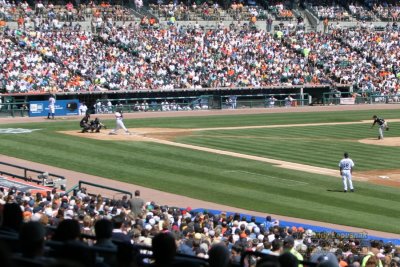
232,181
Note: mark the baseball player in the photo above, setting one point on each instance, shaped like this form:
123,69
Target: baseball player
119,123
96,125
346,166
52,107
84,123
382,126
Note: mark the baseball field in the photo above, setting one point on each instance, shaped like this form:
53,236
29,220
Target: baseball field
280,163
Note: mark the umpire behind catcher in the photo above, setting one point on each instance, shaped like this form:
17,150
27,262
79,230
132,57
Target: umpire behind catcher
96,125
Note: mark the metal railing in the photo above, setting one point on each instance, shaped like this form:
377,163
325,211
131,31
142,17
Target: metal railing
39,176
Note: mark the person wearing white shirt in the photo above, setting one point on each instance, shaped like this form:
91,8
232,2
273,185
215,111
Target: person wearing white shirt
346,166
52,107
119,123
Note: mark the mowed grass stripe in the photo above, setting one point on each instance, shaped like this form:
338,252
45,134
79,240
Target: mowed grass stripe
313,193
294,150
302,145
156,163
142,157
282,204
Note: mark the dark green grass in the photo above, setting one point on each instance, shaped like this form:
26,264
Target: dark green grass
232,181
315,145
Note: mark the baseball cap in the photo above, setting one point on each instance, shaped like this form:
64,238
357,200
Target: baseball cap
325,260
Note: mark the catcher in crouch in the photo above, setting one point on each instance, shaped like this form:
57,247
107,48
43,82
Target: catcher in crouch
96,125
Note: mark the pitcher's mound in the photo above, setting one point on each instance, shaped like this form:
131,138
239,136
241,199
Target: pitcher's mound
387,141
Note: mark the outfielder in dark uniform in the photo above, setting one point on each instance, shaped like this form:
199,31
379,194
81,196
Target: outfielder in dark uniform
85,125
382,125
96,125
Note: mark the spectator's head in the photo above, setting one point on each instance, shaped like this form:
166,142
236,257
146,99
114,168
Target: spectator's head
277,245
164,248
103,229
67,230
12,217
218,256
32,236
288,242
137,193
117,221
236,253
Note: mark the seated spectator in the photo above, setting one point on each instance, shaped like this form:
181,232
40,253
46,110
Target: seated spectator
32,238
164,249
11,218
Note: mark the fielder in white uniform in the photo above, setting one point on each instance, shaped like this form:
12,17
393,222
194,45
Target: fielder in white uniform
119,123
346,166
52,107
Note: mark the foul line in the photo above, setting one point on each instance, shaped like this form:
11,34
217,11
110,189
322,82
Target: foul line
278,163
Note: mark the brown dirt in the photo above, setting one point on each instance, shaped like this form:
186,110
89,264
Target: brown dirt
387,141
162,135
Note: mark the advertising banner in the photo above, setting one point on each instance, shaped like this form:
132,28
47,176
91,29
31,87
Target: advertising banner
347,101
62,108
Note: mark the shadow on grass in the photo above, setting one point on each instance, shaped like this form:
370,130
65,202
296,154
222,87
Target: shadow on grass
334,190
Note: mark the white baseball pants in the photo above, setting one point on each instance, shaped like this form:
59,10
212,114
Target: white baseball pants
119,125
346,175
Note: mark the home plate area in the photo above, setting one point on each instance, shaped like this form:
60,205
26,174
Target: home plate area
137,134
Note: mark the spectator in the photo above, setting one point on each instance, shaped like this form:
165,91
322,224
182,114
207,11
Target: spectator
118,234
164,249
12,218
136,204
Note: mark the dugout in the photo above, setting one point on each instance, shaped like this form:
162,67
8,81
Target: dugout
211,97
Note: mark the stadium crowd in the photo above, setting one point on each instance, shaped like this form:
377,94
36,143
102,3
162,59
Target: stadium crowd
84,221
45,55
131,58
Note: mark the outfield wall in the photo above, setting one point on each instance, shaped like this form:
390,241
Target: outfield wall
17,104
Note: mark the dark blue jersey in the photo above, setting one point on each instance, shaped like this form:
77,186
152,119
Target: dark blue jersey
379,121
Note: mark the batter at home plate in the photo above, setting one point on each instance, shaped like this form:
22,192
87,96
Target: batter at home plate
119,123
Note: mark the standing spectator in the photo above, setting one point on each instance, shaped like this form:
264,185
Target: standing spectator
269,24
326,24
52,107
136,204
